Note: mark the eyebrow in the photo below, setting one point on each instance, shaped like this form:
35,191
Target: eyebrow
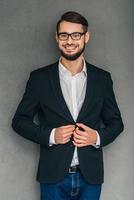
71,32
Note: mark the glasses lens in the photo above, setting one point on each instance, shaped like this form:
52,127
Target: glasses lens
63,36
76,36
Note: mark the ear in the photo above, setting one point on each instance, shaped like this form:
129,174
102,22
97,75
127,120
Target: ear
56,36
87,36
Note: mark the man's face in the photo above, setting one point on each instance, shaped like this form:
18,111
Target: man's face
71,49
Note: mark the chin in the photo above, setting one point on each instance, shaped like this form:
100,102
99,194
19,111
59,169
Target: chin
73,55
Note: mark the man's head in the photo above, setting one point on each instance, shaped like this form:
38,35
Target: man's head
72,35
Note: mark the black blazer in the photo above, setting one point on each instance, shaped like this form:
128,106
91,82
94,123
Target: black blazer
43,96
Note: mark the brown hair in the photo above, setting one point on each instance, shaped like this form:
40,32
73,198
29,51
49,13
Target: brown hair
73,17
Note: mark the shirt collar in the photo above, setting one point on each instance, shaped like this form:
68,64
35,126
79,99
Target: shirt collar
64,71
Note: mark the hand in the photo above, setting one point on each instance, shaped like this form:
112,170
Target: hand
63,134
84,138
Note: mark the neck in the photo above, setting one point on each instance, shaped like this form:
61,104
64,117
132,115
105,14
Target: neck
74,66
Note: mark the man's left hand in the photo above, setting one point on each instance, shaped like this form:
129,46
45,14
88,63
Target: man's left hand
84,138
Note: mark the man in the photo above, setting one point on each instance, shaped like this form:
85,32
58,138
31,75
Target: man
78,115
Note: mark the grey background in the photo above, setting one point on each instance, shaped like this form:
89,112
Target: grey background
27,31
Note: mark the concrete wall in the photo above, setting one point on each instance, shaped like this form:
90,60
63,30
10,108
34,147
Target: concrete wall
27,31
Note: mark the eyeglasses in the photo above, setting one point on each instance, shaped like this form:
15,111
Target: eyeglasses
63,36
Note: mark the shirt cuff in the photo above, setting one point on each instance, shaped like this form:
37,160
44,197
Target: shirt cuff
51,138
97,145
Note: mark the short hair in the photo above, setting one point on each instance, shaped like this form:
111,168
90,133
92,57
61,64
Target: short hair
73,17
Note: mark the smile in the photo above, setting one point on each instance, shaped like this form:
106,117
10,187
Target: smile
70,48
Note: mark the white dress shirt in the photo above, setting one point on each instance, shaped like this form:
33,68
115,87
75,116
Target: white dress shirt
73,88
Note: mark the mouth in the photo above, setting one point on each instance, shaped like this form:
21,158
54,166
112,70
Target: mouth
70,48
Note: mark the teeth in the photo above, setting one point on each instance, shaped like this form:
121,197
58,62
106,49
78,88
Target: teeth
69,48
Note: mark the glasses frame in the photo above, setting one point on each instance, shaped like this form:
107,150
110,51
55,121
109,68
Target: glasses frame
71,35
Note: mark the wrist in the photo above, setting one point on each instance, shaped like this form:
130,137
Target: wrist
94,137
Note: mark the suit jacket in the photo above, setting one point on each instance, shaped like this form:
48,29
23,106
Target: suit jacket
43,96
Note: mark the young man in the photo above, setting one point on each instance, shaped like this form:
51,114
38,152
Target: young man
78,115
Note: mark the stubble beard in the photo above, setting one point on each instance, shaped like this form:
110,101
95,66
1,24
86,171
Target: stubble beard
73,56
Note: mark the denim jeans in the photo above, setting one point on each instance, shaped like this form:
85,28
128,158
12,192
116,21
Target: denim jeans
72,187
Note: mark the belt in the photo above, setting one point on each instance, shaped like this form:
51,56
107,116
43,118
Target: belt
74,169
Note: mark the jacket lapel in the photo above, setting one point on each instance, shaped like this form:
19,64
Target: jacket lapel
91,82
56,88
55,83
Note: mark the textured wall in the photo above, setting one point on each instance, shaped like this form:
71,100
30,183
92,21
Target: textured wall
27,30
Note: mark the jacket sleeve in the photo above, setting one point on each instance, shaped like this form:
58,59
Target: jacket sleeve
23,120
111,116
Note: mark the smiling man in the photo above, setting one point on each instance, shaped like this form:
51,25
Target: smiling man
73,99
71,50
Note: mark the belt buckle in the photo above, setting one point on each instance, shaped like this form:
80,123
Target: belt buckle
72,169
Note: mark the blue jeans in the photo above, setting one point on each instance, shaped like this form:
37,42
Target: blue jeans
72,187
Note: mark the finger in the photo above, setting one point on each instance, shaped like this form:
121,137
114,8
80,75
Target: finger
80,137
69,133
63,140
79,141
82,133
66,140
66,131
70,128
62,135
67,136
82,126
79,145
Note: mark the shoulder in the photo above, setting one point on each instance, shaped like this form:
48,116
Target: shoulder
100,72
43,70
97,69
39,75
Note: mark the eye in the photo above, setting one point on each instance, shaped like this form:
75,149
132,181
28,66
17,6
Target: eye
76,35
63,35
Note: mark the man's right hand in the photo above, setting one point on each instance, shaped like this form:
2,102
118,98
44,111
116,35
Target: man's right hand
63,134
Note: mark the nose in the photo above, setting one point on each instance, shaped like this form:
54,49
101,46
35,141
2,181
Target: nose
69,41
